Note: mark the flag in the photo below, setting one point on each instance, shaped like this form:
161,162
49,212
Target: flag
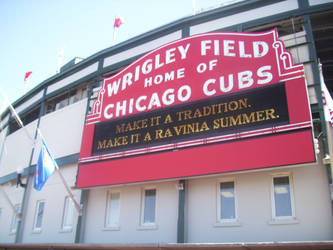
26,77
194,8
60,56
46,165
327,99
118,22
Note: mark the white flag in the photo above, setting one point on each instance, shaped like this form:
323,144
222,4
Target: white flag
327,99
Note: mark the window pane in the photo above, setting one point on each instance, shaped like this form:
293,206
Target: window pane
227,199
39,215
15,219
113,209
282,196
149,206
68,213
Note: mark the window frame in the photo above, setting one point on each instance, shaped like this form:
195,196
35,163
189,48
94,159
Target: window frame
143,224
292,217
15,219
36,229
226,222
111,226
65,214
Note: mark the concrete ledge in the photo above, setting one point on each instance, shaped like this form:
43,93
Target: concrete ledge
195,246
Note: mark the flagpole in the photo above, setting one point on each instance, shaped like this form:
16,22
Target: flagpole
60,57
26,81
118,21
194,7
77,206
114,35
8,200
328,130
26,87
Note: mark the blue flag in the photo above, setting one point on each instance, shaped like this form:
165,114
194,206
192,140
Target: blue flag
46,165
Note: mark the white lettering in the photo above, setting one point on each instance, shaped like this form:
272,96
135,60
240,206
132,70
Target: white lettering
169,76
158,79
180,73
137,103
130,108
157,61
147,66
228,46
113,88
168,97
263,73
242,50
206,91
216,47
106,114
245,79
137,73
127,78
121,107
187,90
170,56
148,81
230,83
183,51
257,52
201,68
205,46
154,101
212,64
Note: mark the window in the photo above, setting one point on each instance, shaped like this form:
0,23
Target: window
15,219
66,98
283,207
39,216
26,118
226,211
78,94
67,219
148,207
56,103
112,210
31,115
227,201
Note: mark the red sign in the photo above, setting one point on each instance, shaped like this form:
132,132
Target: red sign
200,105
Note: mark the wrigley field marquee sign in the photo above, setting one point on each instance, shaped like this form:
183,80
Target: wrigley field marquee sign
206,104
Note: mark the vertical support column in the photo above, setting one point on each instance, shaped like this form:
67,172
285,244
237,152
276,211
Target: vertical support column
185,31
80,222
27,189
83,200
316,76
181,212
240,28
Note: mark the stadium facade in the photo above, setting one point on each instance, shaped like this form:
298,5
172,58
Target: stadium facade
201,131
